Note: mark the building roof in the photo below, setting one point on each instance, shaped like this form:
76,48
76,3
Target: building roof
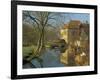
72,24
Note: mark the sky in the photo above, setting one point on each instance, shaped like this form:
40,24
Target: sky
83,17
66,17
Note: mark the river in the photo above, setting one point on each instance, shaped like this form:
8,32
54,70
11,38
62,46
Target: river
51,58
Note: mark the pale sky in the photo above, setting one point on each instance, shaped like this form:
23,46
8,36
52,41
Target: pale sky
77,16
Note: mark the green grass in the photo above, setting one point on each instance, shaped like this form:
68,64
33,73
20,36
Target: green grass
28,49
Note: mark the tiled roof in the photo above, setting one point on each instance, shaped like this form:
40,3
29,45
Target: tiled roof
72,24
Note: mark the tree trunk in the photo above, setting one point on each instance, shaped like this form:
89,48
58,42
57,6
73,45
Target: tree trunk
40,43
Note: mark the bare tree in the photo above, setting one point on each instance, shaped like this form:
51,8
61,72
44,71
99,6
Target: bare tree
41,20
